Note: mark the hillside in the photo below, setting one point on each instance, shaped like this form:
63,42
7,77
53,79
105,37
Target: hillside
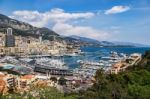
131,84
24,29
92,42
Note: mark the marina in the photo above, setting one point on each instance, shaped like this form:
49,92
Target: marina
76,66
86,64
78,70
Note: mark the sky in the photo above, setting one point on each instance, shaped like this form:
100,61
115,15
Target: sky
110,20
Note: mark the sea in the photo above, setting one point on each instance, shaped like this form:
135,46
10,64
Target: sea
95,53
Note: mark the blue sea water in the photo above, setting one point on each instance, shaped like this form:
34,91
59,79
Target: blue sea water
95,54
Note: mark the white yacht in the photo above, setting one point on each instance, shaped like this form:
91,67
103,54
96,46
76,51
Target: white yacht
90,64
71,54
54,63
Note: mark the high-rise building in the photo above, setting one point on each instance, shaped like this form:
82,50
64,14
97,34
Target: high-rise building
40,36
40,39
9,38
9,31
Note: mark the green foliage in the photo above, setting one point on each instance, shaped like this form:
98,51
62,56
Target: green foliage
45,93
62,81
132,84
53,79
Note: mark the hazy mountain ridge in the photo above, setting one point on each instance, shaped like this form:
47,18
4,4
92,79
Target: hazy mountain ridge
130,43
106,43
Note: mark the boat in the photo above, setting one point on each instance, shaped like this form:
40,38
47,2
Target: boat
71,54
114,57
53,63
90,65
26,59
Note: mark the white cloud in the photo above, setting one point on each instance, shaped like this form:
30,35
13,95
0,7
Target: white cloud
117,9
62,21
53,16
84,31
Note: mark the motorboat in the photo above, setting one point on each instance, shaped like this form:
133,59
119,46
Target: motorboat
53,63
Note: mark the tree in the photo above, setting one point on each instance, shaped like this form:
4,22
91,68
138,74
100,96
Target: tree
53,79
62,81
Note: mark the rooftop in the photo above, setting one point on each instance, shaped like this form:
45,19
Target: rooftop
30,76
2,84
2,76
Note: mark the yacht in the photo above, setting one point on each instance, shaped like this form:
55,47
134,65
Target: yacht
90,64
53,63
26,59
71,54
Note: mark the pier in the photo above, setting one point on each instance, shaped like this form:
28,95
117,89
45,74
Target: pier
53,71
33,56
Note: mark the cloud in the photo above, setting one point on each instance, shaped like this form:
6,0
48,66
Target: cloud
84,31
62,22
53,16
117,9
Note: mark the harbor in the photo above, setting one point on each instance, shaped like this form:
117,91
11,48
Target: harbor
74,49
79,70
86,61
66,66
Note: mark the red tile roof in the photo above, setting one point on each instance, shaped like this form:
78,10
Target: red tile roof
27,77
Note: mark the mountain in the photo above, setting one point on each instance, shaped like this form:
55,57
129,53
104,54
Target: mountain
130,43
92,42
24,29
83,41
